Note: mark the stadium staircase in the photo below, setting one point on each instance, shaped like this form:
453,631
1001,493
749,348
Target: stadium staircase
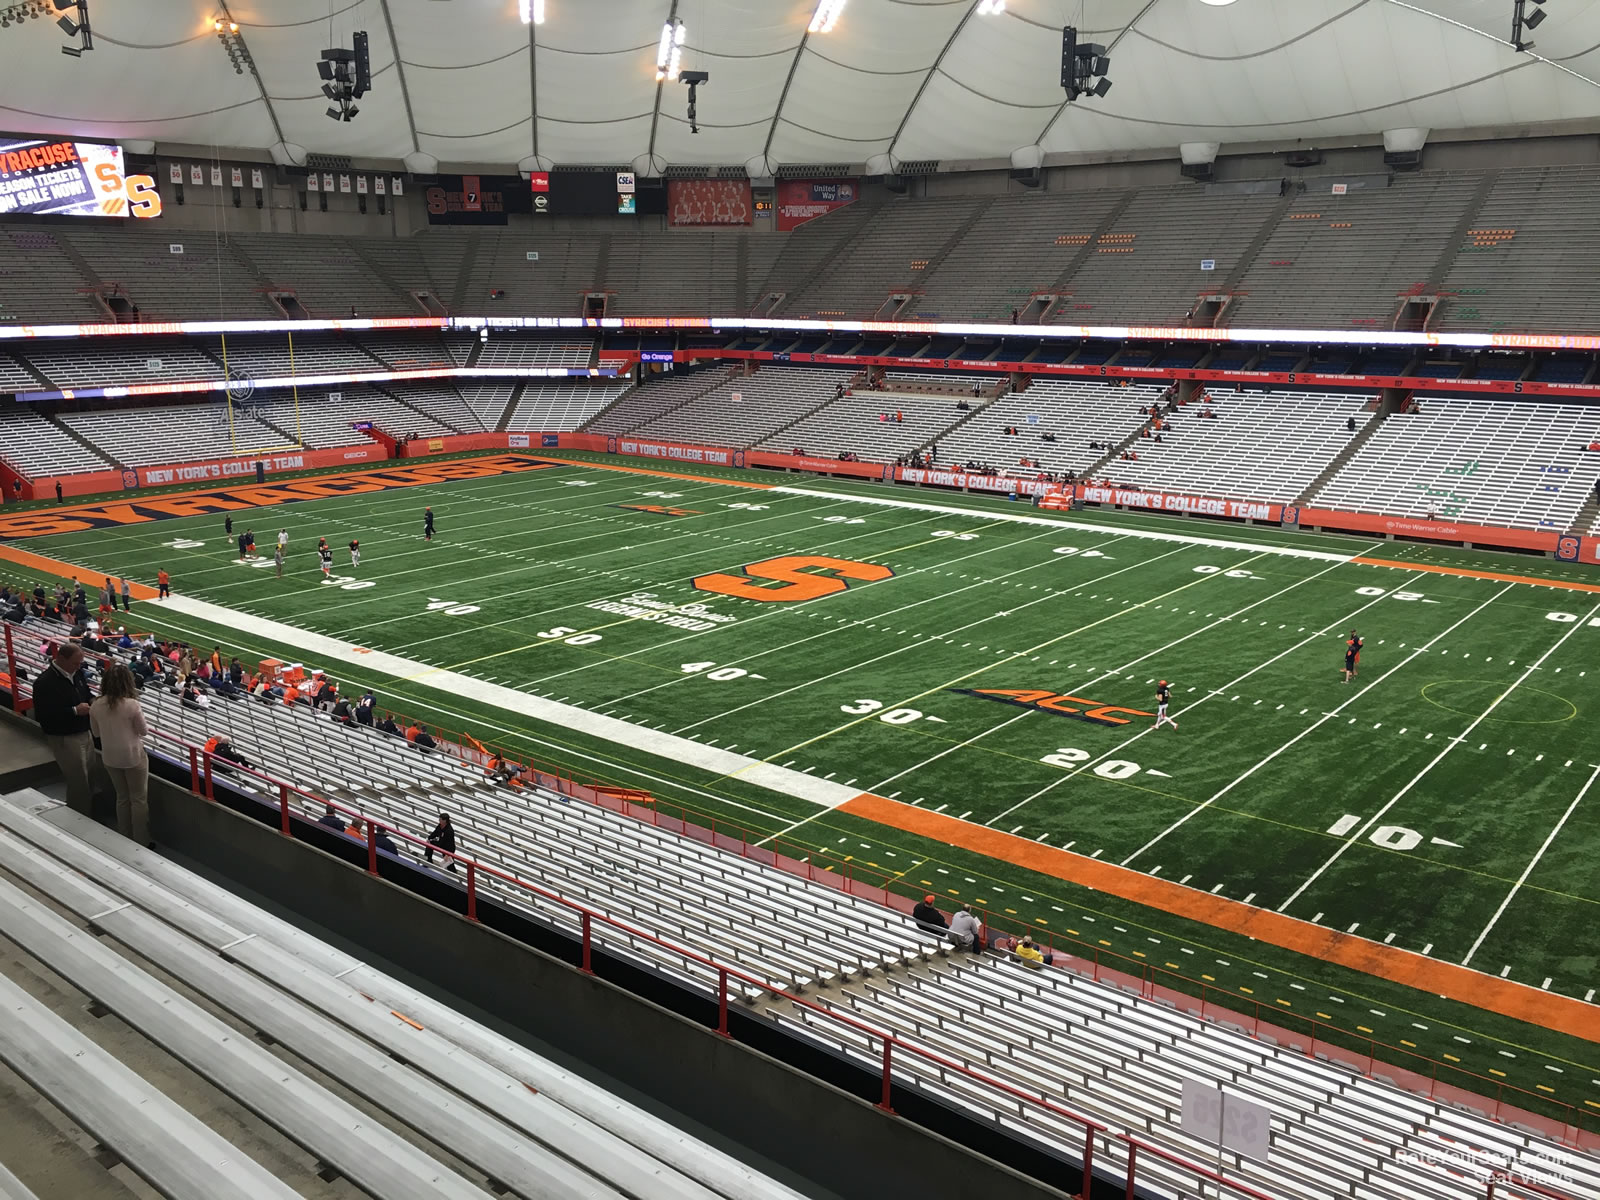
377,268
511,406
458,290
1587,516
712,381
1337,464
853,226
1109,223
85,442
421,412
1440,270
955,239
264,282
1249,254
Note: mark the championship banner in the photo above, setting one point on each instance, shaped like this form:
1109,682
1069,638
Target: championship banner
477,199
41,176
802,200
708,202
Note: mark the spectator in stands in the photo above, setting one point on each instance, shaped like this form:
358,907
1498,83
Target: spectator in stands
422,740
965,930
117,722
365,707
341,711
61,703
331,819
443,838
1030,954
1350,424
327,692
225,749
236,672
388,726
928,917
190,697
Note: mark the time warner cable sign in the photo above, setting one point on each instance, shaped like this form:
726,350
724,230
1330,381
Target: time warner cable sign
43,176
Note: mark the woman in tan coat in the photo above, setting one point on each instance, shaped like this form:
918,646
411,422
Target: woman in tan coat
117,722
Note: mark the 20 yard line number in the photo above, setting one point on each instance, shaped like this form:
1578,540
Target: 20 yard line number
1115,769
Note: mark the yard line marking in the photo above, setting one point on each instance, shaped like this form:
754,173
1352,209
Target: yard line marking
1056,523
1527,871
1076,771
1312,728
1449,746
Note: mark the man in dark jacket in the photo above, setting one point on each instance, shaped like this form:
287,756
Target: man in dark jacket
929,917
61,706
331,819
443,838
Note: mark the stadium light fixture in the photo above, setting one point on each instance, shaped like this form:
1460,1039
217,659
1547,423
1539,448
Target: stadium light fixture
1523,21
1217,3
75,28
991,8
531,11
826,16
669,51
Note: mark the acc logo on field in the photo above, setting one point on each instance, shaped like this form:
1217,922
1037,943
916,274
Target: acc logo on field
796,573
1059,705
1569,548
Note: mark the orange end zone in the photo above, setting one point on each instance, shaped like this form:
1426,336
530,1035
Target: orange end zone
1498,576
1560,1013
57,569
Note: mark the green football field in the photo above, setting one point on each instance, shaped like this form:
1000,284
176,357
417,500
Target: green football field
982,660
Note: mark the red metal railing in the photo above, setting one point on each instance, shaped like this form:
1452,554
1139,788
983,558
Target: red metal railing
203,767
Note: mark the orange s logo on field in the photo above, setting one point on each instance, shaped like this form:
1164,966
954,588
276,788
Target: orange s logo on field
800,574
1062,706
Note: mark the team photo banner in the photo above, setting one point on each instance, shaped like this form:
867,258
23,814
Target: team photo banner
61,177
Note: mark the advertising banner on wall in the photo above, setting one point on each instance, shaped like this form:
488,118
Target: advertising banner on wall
61,177
477,199
802,200
708,202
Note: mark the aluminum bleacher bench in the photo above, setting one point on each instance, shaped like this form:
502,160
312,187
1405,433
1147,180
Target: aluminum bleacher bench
338,1134
163,1144
333,980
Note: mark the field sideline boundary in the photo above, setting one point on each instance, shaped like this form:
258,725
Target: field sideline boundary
1464,985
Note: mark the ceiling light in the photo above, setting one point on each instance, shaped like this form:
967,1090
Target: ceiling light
1217,3
531,11
990,8
669,52
826,16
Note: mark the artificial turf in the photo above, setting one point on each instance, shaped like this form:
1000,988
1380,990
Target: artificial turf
1437,803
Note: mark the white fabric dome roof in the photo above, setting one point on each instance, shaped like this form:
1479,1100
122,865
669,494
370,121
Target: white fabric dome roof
464,81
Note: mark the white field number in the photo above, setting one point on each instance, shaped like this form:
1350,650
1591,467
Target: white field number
1410,597
1069,758
579,483
951,533
570,636
1571,619
1390,837
184,544
894,716
747,507
450,607
342,582
845,520
663,495
1234,574
720,674
1066,550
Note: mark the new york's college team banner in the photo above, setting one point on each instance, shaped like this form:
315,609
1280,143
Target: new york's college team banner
61,177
